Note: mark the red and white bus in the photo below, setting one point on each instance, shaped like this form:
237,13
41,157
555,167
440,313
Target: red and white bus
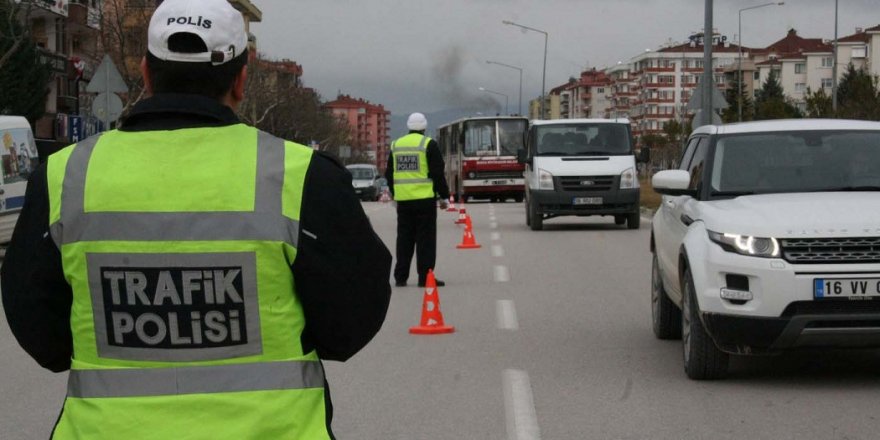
480,155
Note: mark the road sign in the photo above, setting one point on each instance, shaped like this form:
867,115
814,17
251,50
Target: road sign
107,79
696,101
107,107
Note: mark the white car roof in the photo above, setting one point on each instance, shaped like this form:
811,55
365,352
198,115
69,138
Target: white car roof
579,121
7,122
788,125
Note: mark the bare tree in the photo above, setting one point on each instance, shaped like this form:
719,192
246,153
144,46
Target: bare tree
13,29
124,26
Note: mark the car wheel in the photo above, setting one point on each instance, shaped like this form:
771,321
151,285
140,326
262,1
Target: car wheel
535,217
665,315
702,359
518,199
633,220
619,220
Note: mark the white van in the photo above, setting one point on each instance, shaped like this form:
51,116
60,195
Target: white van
19,160
580,167
365,180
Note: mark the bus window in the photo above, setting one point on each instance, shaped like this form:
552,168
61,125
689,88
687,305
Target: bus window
511,134
479,139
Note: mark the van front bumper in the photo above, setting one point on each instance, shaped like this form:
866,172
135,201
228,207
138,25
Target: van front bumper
614,202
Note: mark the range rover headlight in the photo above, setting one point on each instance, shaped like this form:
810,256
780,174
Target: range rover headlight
766,247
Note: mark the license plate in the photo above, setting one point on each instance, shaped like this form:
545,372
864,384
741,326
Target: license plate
500,182
587,201
824,288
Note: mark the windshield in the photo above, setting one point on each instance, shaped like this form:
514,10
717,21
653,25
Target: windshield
481,137
19,154
796,162
582,139
361,173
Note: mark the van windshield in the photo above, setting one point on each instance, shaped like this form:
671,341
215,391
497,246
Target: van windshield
19,154
361,173
582,139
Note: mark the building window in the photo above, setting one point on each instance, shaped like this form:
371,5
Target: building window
757,76
600,90
800,68
827,62
860,52
666,79
800,87
827,83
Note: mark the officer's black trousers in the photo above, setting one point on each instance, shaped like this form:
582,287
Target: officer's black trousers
416,231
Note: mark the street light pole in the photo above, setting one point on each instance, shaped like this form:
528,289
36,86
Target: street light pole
834,66
544,73
506,100
708,71
739,62
519,102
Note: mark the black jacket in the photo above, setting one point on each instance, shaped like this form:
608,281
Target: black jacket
341,269
436,170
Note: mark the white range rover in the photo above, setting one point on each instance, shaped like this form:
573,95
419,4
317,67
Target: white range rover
767,239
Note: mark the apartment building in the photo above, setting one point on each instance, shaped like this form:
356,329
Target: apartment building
655,86
370,125
584,97
552,105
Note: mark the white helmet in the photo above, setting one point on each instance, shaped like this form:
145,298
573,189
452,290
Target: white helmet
417,122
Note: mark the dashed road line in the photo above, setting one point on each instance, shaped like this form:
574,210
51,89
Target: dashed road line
493,225
505,312
495,236
502,275
522,422
497,250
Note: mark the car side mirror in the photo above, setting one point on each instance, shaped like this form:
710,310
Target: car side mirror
521,156
673,183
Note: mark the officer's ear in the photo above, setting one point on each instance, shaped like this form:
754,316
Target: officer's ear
148,78
239,84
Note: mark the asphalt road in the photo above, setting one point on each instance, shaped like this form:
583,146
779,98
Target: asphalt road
552,341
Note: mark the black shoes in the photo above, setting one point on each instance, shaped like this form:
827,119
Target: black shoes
400,283
439,283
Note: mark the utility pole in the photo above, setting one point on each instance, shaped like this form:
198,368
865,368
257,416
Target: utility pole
708,71
834,65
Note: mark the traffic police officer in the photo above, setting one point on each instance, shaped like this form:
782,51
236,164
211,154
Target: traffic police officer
415,174
189,270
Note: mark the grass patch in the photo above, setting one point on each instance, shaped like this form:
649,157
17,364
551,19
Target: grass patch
650,199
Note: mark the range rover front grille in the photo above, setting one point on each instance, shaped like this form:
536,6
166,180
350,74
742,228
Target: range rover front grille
831,250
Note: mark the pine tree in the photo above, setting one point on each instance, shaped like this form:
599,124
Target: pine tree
731,114
858,96
819,104
24,78
771,102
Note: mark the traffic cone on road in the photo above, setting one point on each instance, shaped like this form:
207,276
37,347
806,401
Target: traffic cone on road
468,241
451,207
432,319
462,213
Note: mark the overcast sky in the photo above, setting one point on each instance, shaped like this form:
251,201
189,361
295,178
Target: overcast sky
423,55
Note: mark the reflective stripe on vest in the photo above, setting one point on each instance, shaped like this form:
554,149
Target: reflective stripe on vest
143,382
411,180
261,224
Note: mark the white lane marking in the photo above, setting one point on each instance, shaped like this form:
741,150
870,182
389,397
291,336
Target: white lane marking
495,236
493,225
497,250
493,218
522,422
505,311
502,275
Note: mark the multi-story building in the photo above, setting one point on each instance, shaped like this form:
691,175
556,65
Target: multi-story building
584,97
67,34
655,86
800,63
862,49
370,125
552,105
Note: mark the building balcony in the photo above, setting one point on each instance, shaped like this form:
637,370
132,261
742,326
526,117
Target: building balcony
660,69
660,100
660,115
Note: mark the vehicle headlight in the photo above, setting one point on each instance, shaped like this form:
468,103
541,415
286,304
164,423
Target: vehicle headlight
545,180
747,244
628,179
472,175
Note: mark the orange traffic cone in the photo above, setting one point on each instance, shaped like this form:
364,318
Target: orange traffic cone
468,241
451,207
432,318
462,214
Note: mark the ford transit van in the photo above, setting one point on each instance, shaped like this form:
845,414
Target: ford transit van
19,159
580,167
365,180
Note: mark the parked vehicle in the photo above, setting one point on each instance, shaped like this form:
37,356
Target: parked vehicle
19,159
580,167
365,180
768,239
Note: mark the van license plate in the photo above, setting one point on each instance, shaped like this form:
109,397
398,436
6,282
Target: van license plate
587,201
852,288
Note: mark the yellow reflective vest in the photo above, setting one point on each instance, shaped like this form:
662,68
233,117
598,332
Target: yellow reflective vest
410,163
185,318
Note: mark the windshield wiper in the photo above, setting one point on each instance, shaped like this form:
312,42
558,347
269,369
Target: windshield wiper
854,188
732,193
